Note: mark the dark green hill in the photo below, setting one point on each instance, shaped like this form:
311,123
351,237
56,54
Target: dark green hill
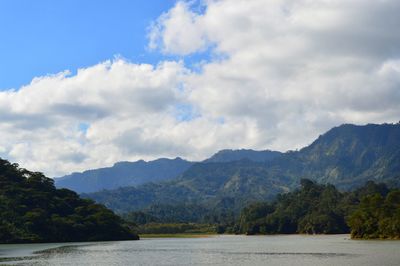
346,156
33,210
123,174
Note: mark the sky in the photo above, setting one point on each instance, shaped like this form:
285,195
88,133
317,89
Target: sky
45,37
84,84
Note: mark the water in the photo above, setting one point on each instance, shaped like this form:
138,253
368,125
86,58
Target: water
215,250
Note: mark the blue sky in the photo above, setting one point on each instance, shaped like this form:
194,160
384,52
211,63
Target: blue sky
45,36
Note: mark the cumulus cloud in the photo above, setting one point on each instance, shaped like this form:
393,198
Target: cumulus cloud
280,74
292,69
40,122
179,21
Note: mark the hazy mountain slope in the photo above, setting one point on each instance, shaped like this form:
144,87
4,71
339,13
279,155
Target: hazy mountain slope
123,174
349,155
226,185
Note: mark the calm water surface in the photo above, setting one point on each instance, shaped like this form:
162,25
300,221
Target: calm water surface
217,250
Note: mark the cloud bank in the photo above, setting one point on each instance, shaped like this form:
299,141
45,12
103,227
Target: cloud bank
280,74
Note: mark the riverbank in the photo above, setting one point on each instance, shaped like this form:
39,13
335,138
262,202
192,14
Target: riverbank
180,235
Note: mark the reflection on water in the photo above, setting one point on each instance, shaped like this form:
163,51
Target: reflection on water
218,250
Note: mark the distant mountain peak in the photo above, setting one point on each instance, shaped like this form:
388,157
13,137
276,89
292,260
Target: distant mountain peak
229,155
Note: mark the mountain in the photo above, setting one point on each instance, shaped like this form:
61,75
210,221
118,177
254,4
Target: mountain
346,156
214,185
242,154
349,155
123,174
196,183
33,210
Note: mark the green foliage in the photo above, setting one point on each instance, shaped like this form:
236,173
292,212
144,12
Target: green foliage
33,210
372,211
177,228
313,209
140,218
222,220
377,217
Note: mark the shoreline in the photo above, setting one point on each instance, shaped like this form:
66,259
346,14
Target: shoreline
178,235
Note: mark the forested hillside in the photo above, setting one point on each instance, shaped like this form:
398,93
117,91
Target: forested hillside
33,210
215,185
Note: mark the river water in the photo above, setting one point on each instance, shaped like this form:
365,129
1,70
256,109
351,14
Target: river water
215,250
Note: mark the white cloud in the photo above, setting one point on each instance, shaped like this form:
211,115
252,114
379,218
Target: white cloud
179,21
294,68
40,122
289,71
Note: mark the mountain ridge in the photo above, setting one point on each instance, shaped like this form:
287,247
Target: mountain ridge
346,156
123,174
229,155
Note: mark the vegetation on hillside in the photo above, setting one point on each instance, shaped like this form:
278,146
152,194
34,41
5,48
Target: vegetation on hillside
33,210
229,186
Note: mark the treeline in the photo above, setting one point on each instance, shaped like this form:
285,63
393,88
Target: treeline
33,210
372,211
377,217
180,213
177,228
182,218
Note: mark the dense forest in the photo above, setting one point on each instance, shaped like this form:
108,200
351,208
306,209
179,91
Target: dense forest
372,211
183,218
377,217
33,210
